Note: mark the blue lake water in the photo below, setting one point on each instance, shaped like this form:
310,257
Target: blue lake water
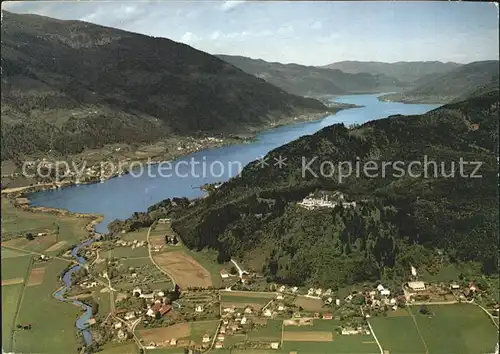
119,197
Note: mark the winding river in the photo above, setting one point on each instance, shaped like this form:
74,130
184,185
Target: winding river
81,322
119,197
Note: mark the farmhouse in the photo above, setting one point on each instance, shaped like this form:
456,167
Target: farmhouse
268,313
275,345
121,335
199,308
243,320
279,297
385,292
416,285
149,296
248,310
294,289
349,331
244,278
218,345
220,337
129,316
224,274
165,309
327,316
281,307
205,338
454,286
281,289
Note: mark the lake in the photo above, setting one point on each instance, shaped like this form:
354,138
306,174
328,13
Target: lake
120,197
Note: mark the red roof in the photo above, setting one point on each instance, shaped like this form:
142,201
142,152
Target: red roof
156,307
164,309
223,271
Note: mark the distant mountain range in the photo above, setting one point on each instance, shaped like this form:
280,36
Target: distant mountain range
405,72
461,83
72,85
313,81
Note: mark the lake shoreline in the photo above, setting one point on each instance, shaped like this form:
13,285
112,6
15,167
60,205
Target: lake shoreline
24,192
234,139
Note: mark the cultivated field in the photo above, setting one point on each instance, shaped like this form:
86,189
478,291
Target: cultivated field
457,329
321,337
309,304
36,276
39,308
206,258
184,269
120,348
308,336
161,334
398,334
472,331
15,268
10,299
242,299
269,332
358,344
186,332
17,222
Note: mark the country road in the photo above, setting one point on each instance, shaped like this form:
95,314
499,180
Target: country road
153,261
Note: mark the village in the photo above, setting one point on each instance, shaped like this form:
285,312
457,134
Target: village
248,312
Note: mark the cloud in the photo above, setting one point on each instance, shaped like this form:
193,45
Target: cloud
230,5
329,38
239,36
316,25
190,37
215,35
285,29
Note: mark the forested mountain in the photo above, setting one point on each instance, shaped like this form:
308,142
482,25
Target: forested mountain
70,85
474,78
400,218
406,72
313,81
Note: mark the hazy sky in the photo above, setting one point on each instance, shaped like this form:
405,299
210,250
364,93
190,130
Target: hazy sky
310,33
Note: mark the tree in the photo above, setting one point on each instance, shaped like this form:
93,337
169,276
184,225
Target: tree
95,308
233,270
157,315
29,236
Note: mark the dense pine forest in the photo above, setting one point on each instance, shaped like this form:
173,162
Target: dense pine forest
397,221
